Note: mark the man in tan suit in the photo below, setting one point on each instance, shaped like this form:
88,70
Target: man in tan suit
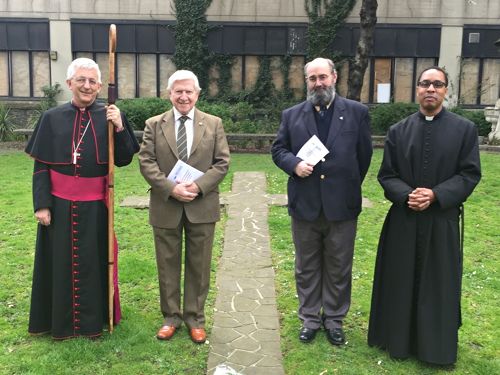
190,207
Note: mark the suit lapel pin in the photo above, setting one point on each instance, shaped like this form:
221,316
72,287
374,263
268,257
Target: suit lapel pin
341,117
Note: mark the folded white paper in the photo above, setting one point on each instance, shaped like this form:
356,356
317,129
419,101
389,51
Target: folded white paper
183,172
312,151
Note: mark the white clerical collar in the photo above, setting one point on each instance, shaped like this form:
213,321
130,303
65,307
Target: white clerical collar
429,118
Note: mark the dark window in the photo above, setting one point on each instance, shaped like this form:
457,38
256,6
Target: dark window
485,47
407,42
24,46
17,37
233,40
3,37
81,38
147,37
276,41
392,40
255,41
166,41
297,40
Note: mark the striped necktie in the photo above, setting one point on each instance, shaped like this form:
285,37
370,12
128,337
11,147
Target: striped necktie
181,139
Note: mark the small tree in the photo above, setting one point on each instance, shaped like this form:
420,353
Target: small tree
368,19
6,125
49,100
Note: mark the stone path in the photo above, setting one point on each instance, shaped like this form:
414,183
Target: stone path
245,333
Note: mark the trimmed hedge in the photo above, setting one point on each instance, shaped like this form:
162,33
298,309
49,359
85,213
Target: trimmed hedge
382,116
243,117
140,109
240,117
477,117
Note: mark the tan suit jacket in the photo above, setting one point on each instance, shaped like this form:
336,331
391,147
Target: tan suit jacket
158,155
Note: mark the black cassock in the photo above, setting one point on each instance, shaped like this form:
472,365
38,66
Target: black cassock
415,307
69,294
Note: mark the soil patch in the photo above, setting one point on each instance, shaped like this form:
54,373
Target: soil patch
12,146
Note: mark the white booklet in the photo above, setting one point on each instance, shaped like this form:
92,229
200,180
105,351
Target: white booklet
312,151
183,172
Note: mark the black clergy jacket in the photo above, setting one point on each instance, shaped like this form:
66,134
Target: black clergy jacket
441,154
55,137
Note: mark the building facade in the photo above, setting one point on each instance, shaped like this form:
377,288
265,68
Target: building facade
38,39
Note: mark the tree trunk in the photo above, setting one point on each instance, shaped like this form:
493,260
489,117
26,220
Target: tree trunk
357,68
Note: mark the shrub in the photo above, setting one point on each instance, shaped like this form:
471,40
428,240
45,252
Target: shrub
48,101
6,124
244,117
239,117
477,117
384,115
140,109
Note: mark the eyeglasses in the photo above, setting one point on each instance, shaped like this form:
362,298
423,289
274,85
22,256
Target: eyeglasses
82,80
321,78
426,84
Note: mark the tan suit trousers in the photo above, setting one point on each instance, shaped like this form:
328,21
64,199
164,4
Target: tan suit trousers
198,239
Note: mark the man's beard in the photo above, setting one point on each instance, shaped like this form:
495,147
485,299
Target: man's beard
321,96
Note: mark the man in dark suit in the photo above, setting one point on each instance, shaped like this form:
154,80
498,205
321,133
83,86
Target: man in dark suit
189,207
324,200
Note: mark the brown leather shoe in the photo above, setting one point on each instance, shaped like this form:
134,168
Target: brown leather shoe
166,332
198,335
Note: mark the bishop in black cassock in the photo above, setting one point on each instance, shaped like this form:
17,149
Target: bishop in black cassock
70,148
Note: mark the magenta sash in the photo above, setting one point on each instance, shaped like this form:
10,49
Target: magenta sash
79,189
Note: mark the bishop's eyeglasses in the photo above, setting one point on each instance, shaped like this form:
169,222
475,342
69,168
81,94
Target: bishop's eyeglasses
82,80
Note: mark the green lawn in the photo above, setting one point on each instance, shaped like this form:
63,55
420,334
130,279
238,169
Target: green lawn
133,348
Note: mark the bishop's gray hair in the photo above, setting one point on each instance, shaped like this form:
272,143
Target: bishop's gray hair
82,63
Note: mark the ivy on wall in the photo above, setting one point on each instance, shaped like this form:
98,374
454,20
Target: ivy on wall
326,17
264,87
191,52
286,61
191,31
225,64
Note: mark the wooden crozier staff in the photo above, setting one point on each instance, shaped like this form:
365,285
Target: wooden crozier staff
111,177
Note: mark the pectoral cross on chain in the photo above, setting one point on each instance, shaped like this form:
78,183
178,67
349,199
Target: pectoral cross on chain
75,156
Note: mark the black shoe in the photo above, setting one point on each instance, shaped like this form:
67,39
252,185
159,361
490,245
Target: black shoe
307,334
335,336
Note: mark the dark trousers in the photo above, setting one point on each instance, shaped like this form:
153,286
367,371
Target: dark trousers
323,269
198,240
